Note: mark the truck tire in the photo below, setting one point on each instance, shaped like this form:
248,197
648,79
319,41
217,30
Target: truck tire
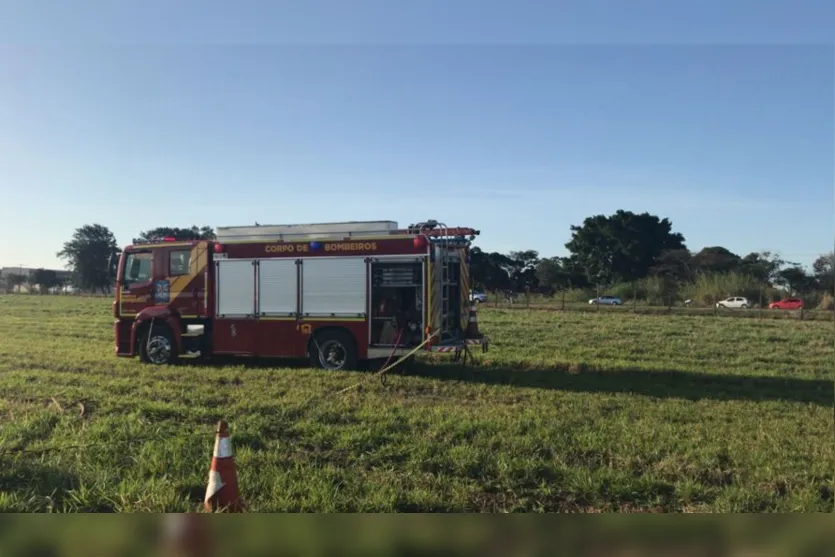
157,347
333,350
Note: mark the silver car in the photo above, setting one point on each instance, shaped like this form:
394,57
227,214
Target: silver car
607,301
478,297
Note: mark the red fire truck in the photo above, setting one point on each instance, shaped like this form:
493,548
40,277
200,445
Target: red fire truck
336,293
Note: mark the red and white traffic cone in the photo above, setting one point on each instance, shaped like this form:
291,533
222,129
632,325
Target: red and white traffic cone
472,325
222,491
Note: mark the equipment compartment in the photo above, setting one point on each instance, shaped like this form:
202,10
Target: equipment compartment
334,287
396,303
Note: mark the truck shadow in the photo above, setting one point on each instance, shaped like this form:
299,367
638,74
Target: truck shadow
688,385
673,383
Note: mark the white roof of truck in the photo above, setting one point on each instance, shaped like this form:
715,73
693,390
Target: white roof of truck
313,231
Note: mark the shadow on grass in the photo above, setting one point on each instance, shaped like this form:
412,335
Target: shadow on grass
689,385
38,482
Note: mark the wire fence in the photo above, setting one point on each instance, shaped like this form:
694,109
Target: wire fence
563,301
75,293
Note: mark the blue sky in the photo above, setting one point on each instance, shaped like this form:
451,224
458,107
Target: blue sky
733,143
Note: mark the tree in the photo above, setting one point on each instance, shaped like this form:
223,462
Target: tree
623,246
488,270
193,233
795,279
550,275
559,273
45,279
575,274
675,265
13,281
91,254
763,266
521,268
715,260
824,271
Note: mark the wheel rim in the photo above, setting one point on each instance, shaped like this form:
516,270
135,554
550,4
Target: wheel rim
332,355
158,349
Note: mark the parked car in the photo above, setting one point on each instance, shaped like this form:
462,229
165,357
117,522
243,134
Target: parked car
478,297
735,302
606,301
788,303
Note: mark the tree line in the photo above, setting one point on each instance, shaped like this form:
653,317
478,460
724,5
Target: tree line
92,254
627,254
640,256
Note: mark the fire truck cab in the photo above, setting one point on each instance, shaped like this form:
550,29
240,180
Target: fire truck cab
335,293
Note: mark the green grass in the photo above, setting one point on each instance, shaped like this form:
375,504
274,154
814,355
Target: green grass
567,412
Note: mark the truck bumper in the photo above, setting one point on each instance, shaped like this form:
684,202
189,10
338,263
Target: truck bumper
460,346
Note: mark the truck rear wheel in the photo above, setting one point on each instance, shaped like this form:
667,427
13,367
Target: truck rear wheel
157,347
333,350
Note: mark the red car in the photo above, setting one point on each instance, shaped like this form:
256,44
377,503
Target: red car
788,303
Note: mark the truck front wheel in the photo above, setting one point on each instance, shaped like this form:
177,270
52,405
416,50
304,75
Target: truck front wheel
333,350
157,347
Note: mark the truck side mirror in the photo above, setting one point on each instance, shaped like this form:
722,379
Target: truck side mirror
111,271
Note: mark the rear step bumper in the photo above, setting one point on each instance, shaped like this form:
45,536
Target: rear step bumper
458,346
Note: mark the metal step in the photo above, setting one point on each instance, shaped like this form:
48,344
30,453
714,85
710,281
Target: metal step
193,331
190,355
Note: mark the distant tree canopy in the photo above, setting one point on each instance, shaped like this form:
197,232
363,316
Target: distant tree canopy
620,248
13,280
626,247
489,270
674,264
823,270
763,266
716,259
45,279
623,246
91,256
193,233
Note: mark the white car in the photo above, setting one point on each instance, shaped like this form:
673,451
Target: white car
478,297
607,301
736,302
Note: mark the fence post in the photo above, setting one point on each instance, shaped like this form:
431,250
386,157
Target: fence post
598,298
563,300
715,308
634,297
801,313
761,303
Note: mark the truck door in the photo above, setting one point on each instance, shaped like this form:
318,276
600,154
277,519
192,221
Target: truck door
136,285
183,288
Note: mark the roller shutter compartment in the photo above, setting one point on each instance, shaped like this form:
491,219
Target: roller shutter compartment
235,288
334,287
277,287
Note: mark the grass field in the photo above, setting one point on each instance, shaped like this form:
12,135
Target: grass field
567,412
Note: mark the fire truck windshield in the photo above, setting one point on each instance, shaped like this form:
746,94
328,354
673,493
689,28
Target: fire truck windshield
137,267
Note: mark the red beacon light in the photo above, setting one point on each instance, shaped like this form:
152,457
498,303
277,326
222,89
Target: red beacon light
218,248
169,239
420,242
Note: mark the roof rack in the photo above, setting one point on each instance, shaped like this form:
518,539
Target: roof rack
334,231
157,240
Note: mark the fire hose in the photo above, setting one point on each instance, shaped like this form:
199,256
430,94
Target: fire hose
386,369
